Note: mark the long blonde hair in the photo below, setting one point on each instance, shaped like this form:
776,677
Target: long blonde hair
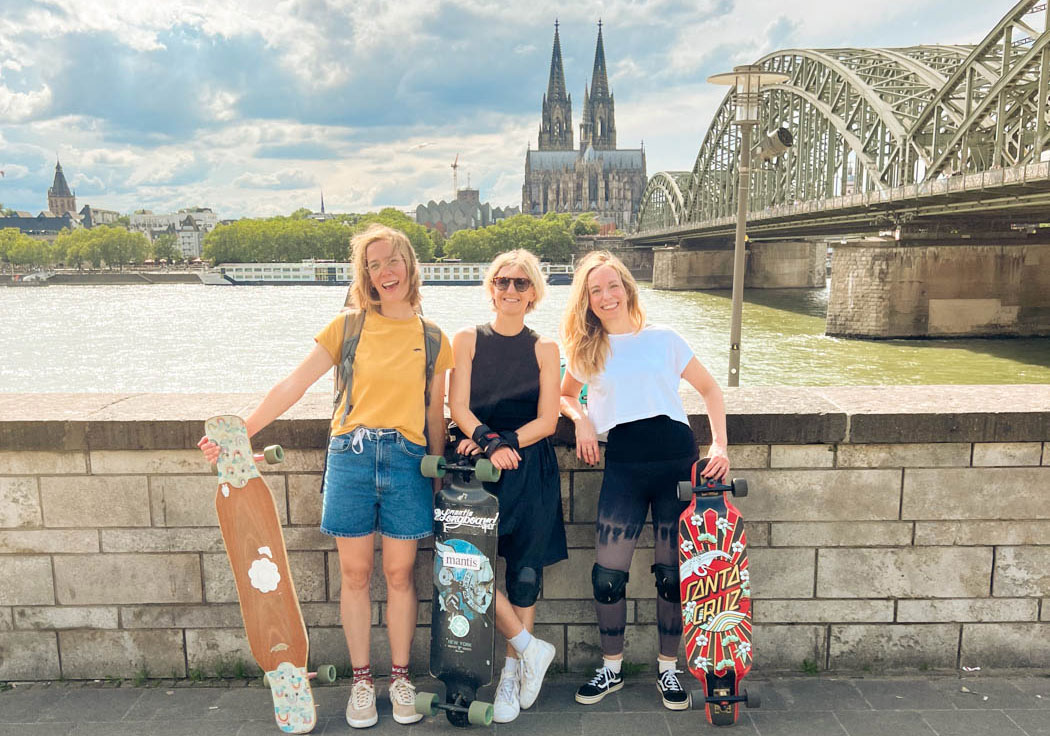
585,339
363,295
528,263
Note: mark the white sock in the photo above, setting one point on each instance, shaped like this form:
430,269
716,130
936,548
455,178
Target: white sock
510,667
521,641
613,665
666,664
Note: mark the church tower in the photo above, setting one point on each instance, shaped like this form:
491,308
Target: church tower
59,199
599,117
556,123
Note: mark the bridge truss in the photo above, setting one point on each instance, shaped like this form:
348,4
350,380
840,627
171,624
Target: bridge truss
872,120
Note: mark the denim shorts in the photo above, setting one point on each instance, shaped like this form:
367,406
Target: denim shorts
373,483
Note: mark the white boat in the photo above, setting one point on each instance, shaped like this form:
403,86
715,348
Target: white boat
450,273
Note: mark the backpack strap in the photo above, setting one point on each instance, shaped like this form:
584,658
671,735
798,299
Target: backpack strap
353,323
431,347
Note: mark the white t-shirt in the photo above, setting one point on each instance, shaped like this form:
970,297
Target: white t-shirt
640,378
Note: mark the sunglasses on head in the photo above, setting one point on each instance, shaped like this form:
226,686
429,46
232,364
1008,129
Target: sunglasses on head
502,283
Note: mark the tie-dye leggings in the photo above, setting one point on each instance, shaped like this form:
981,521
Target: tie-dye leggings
629,490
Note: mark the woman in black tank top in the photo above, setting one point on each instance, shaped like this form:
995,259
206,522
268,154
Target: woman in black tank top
504,397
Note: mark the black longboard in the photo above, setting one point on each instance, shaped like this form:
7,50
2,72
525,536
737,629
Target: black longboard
462,646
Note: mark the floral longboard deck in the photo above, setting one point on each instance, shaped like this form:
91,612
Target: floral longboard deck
255,545
716,595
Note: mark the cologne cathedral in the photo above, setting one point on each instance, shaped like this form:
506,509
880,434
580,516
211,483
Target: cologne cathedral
598,177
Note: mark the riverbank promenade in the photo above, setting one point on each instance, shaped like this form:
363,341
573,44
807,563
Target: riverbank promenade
931,705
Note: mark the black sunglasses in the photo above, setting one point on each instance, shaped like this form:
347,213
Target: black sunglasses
502,283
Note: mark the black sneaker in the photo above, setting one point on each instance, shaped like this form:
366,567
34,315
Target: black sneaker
675,697
603,683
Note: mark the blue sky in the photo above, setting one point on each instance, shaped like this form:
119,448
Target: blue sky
253,107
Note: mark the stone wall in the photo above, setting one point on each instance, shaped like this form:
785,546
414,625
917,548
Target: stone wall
889,527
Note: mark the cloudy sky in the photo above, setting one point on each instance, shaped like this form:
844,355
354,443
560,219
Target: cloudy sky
252,107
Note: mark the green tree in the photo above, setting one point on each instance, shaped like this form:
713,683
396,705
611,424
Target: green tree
417,234
300,214
165,246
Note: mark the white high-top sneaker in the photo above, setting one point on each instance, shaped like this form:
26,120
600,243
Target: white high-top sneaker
535,660
507,706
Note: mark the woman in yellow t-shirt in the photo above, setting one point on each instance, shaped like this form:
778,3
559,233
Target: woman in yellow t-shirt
372,479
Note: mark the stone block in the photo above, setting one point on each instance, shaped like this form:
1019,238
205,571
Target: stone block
45,541
94,501
787,647
162,540
802,456
1006,645
19,503
305,499
580,611
327,614
63,617
307,568
880,646
841,534
1001,454
299,460
566,453
961,610
821,495
571,578
744,457
583,650
208,616
220,652
43,462
26,581
782,573
921,455
1006,493
311,538
90,654
585,488
189,500
29,655
928,572
1021,571
758,533
146,462
822,611
981,533
127,578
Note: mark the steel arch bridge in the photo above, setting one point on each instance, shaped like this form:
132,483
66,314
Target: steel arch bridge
873,121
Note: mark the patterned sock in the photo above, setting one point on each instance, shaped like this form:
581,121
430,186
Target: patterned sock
363,673
397,671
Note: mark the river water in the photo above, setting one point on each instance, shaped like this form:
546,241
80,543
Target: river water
190,338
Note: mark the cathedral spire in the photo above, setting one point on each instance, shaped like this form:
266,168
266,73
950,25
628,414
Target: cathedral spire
598,128
556,122
599,77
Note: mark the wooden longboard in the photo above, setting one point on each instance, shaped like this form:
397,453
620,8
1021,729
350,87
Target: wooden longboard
255,545
716,596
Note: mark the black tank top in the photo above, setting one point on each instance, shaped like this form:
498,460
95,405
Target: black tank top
504,378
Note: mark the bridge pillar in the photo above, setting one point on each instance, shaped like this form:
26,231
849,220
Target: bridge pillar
786,265
889,289
678,269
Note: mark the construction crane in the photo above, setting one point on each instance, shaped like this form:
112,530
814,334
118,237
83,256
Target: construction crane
455,177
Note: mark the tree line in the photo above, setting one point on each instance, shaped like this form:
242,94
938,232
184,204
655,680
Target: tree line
98,246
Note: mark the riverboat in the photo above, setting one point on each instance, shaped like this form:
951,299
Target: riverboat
449,273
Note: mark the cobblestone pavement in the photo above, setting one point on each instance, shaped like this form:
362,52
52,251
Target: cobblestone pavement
1007,705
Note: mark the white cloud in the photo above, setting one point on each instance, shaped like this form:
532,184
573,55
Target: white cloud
287,179
18,106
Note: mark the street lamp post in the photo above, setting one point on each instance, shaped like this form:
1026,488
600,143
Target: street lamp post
748,80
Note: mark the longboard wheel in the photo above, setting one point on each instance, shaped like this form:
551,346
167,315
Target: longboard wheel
326,673
479,713
486,472
739,487
685,491
751,700
274,454
265,680
426,704
432,466
696,699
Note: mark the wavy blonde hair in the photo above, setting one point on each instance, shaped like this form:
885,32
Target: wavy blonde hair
585,339
363,295
528,263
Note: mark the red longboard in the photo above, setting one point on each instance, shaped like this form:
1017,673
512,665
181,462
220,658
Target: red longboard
716,594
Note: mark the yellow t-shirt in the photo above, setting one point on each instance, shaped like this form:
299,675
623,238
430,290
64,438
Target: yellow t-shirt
389,372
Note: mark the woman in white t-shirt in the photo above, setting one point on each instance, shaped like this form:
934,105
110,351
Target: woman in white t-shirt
633,370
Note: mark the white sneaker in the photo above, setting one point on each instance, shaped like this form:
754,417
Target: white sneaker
506,706
361,709
535,660
403,700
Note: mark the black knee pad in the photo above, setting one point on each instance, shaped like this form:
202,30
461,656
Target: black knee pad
523,586
609,585
667,582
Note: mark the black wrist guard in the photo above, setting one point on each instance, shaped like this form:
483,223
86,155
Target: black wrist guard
511,438
488,440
